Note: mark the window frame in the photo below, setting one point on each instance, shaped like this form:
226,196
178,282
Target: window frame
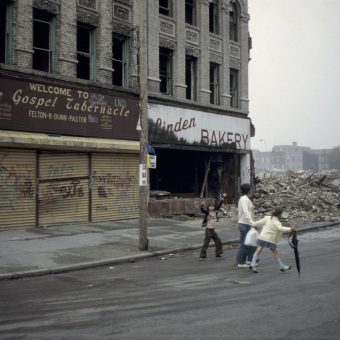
193,8
214,19
214,83
192,87
234,88
50,20
166,10
125,59
91,55
7,32
167,53
234,23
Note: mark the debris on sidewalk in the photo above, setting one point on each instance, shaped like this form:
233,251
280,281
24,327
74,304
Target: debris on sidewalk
306,195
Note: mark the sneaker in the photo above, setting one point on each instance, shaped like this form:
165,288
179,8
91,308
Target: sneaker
243,265
285,268
220,256
203,258
253,269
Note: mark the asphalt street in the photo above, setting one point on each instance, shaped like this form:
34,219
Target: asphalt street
179,297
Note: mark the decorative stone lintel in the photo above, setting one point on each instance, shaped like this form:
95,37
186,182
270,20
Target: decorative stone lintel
167,43
215,58
245,17
47,5
87,17
192,51
245,100
123,29
226,95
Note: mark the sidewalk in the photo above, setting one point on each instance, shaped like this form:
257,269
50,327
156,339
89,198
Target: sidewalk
61,248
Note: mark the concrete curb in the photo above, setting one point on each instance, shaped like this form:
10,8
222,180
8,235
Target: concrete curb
117,260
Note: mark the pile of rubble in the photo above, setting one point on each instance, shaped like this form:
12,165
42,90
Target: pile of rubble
306,196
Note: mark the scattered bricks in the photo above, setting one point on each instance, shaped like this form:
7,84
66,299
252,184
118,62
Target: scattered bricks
309,196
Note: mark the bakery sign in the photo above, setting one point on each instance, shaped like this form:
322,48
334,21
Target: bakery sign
185,126
27,105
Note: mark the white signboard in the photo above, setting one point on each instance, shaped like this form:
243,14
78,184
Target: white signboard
186,126
143,175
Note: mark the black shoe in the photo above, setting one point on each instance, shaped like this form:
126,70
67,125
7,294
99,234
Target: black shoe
286,268
221,256
253,269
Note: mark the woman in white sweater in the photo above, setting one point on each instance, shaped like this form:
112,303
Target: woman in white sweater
270,235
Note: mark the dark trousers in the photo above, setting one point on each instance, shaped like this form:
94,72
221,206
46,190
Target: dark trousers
211,234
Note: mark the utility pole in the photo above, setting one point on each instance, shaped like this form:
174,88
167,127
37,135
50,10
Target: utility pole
143,102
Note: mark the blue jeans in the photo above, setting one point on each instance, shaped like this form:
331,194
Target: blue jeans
244,252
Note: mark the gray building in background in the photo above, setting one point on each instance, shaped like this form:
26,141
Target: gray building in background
69,104
291,157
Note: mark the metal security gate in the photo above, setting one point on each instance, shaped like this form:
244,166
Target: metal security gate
17,188
63,187
115,187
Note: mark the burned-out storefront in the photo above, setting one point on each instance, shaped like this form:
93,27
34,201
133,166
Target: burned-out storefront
67,153
199,153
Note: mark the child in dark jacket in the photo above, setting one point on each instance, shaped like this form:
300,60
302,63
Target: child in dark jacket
210,221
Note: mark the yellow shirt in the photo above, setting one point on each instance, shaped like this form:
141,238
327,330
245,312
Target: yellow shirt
272,229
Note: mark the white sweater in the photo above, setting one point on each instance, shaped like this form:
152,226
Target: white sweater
245,210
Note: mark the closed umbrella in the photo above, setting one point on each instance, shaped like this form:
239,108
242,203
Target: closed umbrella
293,242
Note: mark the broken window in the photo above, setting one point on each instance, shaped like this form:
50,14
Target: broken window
86,52
214,84
165,70
213,16
190,12
6,10
120,55
165,7
191,77
234,91
43,40
233,23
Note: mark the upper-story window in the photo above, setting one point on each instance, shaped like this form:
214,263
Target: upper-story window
165,7
190,12
43,40
6,8
233,23
213,16
191,77
234,88
165,70
86,42
120,60
214,84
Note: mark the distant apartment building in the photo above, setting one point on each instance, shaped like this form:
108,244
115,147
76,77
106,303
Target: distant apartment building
291,157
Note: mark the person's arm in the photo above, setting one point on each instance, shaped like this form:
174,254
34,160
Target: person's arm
204,211
259,223
284,229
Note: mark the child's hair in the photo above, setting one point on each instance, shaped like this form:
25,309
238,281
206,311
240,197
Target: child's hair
277,212
211,204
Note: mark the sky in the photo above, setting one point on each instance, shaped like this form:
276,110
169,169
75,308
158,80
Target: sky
294,73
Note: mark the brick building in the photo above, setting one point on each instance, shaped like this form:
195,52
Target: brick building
69,104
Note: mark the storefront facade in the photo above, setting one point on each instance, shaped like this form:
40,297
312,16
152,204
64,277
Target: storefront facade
67,153
199,153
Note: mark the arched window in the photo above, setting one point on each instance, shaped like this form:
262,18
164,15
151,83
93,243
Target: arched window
233,22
